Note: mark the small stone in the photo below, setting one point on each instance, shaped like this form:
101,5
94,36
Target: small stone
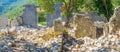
114,50
6,48
13,44
113,39
2,44
109,36
12,29
1,49
77,46
9,44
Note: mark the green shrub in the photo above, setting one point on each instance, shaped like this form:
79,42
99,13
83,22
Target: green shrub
15,12
42,18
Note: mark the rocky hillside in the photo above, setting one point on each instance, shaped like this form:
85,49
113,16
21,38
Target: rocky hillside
13,7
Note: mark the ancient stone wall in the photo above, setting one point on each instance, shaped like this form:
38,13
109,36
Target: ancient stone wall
58,26
84,26
51,17
29,16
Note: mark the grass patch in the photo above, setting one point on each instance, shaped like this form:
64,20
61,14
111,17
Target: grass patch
15,12
43,23
42,18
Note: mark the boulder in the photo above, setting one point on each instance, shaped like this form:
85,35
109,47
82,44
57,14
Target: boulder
58,26
114,22
84,26
12,31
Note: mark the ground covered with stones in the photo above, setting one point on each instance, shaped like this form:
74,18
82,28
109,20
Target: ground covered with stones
23,39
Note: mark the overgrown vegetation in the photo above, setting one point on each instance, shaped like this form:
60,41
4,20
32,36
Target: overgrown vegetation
42,18
68,7
15,12
102,7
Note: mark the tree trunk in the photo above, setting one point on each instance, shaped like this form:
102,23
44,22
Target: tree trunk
67,23
68,17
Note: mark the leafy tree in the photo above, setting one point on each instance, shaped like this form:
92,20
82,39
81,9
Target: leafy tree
115,3
104,7
42,18
68,7
87,6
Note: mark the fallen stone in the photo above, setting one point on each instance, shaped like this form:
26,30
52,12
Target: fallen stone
2,44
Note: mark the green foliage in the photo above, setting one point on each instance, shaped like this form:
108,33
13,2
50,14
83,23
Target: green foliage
47,5
15,12
115,3
42,18
69,6
104,7
86,6
43,23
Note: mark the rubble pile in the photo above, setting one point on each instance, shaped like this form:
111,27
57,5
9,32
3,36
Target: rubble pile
16,39
109,43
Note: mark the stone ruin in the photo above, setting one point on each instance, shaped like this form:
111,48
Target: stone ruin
90,25
29,17
4,22
84,26
94,26
114,22
58,26
51,17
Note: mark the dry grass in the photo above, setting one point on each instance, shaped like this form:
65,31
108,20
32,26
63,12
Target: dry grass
50,33
1,34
